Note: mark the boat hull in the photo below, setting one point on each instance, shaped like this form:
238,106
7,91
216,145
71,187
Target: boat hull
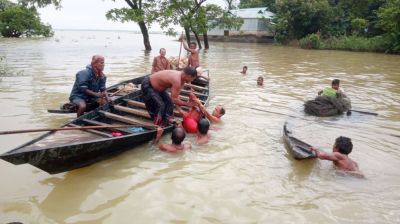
56,152
296,147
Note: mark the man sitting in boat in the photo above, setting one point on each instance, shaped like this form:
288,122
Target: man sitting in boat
90,86
156,98
333,90
339,156
160,62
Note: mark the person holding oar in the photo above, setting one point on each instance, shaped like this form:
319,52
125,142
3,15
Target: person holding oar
194,60
89,90
156,98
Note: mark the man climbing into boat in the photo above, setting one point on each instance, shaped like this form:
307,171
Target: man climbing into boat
215,116
333,90
156,98
89,90
160,62
339,156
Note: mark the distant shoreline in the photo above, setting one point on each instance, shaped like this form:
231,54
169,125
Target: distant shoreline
97,30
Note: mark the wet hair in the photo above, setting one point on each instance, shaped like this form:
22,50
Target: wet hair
178,134
193,43
222,111
260,77
344,145
203,126
245,66
336,81
190,71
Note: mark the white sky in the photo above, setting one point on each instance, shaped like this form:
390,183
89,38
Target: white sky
89,14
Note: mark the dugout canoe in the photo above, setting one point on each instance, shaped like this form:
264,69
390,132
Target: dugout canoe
114,92
60,151
296,147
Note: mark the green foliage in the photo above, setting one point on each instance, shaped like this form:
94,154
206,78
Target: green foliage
296,18
144,11
17,20
389,21
258,3
358,25
356,43
311,41
218,17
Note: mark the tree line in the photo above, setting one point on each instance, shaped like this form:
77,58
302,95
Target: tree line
371,25
193,15
17,20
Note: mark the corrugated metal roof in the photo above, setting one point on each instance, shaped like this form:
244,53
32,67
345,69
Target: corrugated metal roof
253,13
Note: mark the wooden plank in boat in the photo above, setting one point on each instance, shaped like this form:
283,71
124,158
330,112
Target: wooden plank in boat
134,103
93,131
142,113
128,120
93,122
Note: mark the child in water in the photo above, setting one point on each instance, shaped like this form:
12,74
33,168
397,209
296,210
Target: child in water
332,90
202,134
339,156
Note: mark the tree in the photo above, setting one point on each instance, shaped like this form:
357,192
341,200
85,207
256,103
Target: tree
141,12
296,18
270,4
389,21
17,20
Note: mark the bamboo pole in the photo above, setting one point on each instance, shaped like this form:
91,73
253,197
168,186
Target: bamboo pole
64,129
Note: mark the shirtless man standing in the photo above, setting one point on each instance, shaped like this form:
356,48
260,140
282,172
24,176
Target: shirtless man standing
158,102
160,62
194,60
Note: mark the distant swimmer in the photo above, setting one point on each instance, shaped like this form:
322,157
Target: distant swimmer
244,70
260,81
339,156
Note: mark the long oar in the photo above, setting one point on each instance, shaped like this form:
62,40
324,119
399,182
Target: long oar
272,112
180,49
64,129
364,112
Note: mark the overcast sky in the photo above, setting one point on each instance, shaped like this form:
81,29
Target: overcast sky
85,14
89,14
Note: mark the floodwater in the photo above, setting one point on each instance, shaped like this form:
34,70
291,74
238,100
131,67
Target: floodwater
245,174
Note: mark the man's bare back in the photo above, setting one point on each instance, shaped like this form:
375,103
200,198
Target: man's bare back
162,80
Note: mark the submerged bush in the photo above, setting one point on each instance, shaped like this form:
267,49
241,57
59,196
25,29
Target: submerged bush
311,41
356,43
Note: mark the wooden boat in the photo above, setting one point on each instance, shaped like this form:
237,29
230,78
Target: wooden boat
60,151
114,92
299,149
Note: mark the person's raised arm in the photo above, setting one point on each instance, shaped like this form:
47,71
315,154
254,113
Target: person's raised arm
175,90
